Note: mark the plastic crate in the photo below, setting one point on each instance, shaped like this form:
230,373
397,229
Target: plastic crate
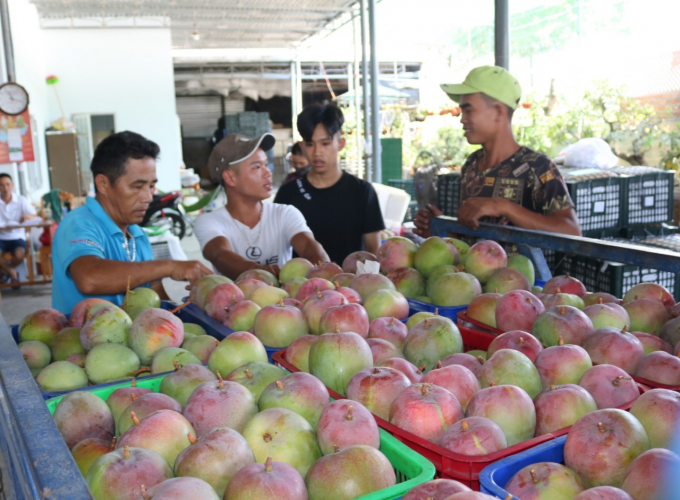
615,278
411,211
448,193
496,476
217,326
599,202
405,184
416,306
410,468
650,232
648,198
185,314
449,465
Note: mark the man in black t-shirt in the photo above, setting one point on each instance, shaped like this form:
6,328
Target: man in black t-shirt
341,210
503,182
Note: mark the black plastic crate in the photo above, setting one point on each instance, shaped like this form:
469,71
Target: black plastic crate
599,202
448,193
613,277
648,198
405,184
411,211
648,231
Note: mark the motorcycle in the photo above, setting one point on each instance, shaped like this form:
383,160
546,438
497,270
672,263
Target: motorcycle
166,213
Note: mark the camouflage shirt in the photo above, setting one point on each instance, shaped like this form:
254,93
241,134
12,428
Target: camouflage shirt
527,178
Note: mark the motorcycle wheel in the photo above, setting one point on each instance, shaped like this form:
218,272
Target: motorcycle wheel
173,220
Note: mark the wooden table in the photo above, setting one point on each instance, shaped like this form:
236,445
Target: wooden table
46,269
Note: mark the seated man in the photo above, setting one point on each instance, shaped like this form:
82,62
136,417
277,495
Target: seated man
99,247
503,182
342,210
247,233
14,210
298,161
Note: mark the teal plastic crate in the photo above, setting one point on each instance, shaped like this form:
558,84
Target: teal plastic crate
410,468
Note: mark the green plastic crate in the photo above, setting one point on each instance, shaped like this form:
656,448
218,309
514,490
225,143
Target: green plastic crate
405,184
391,159
600,203
410,468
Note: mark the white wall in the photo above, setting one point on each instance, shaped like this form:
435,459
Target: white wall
29,62
127,72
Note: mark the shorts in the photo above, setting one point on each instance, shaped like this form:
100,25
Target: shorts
11,245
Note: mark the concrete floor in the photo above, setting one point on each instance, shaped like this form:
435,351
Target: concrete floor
15,304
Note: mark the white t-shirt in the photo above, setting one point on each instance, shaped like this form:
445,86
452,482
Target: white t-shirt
10,215
267,243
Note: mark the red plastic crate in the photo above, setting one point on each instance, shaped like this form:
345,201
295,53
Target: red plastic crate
655,385
449,465
492,332
464,318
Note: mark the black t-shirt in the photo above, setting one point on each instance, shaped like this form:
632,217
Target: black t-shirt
339,215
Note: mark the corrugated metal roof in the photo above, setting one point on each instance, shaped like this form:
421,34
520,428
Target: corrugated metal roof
203,23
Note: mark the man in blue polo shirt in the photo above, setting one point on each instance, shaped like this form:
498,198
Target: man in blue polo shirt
99,246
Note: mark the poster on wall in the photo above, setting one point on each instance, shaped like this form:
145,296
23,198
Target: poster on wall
16,139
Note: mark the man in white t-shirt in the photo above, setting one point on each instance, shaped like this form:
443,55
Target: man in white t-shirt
14,210
248,233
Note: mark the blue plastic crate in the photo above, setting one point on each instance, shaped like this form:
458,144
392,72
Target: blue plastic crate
186,314
494,477
196,312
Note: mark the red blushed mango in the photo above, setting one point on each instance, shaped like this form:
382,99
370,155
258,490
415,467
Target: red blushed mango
562,364
220,298
545,480
153,330
346,423
561,406
518,310
390,329
611,346
456,379
219,404
610,386
660,367
345,318
483,258
565,284
510,407
474,436
324,271
518,340
437,489
602,444
349,265
658,411
647,475
377,388
425,410
123,473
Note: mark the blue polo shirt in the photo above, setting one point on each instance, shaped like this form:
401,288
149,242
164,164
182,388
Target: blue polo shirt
89,230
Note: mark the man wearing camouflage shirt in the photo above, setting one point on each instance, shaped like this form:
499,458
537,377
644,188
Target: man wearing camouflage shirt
503,182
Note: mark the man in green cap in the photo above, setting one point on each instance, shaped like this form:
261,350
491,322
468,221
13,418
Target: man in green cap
503,182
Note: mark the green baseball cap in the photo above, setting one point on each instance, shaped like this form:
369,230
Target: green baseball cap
493,81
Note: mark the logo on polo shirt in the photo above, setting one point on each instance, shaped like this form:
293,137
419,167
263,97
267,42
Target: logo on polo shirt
87,242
